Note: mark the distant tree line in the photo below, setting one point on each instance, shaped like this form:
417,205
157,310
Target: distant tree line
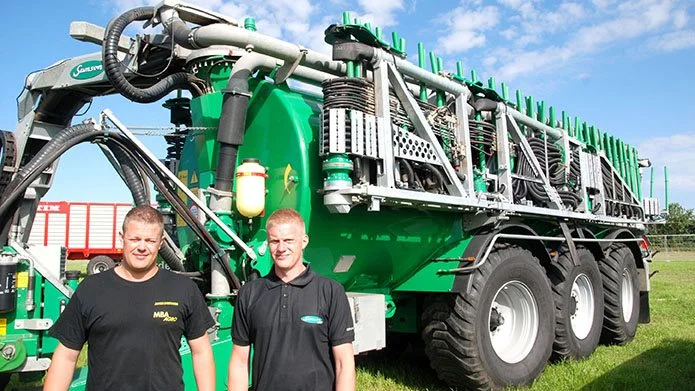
680,221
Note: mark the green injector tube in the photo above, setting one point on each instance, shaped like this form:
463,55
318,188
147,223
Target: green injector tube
651,183
666,187
421,60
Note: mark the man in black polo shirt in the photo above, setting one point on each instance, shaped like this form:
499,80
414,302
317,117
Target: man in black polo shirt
298,322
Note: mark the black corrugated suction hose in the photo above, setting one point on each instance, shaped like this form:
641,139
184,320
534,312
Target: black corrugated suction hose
114,70
133,179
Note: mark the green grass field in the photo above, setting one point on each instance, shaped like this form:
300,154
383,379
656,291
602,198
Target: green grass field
660,357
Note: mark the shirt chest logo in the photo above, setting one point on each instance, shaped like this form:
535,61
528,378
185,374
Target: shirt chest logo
164,316
312,319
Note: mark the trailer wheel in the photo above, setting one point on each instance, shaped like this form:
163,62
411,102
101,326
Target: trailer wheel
499,333
621,295
578,295
100,263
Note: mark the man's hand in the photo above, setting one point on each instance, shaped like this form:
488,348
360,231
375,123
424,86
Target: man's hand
239,368
62,368
344,367
203,363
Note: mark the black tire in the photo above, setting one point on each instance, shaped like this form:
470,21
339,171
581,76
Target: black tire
457,327
621,295
100,263
578,296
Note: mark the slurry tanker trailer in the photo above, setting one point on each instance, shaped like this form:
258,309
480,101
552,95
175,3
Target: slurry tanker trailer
502,233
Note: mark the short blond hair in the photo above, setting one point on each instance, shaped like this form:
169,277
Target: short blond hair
144,214
285,216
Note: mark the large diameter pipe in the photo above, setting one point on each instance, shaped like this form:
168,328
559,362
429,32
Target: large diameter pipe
254,61
528,121
433,80
218,34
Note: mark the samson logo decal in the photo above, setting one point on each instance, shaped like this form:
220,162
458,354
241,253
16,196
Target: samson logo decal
87,70
312,319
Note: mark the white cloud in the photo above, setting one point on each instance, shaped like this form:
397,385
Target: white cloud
602,3
509,33
629,20
516,63
680,160
525,8
680,18
633,21
380,12
529,26
673,41
466,27
237,11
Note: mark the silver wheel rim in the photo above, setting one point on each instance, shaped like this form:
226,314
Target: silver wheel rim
99,267
513,319
582,306
626,295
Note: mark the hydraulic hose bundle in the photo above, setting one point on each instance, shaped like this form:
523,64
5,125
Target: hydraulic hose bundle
550,156
132,162
133,179
10,199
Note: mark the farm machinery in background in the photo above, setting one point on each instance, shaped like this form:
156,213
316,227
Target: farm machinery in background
502,233
86,230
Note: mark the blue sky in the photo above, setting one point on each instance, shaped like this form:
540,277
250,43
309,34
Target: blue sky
623,66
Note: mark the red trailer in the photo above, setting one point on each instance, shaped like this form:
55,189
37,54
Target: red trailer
88,230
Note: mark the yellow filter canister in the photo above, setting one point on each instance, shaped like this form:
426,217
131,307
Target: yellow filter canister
250,188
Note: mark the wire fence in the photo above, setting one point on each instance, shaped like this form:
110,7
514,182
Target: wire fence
673,247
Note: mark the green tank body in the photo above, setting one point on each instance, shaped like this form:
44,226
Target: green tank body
378,251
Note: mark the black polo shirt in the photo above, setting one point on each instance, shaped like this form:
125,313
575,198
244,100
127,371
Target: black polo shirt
292,327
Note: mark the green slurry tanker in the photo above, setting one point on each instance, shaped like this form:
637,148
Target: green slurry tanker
502,234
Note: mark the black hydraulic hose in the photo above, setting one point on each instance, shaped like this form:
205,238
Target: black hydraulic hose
357,171
12,196
161,182
519,188
50,148
9,200
437,174
132,178
408,171
46,156
82,133
114,70
170,194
